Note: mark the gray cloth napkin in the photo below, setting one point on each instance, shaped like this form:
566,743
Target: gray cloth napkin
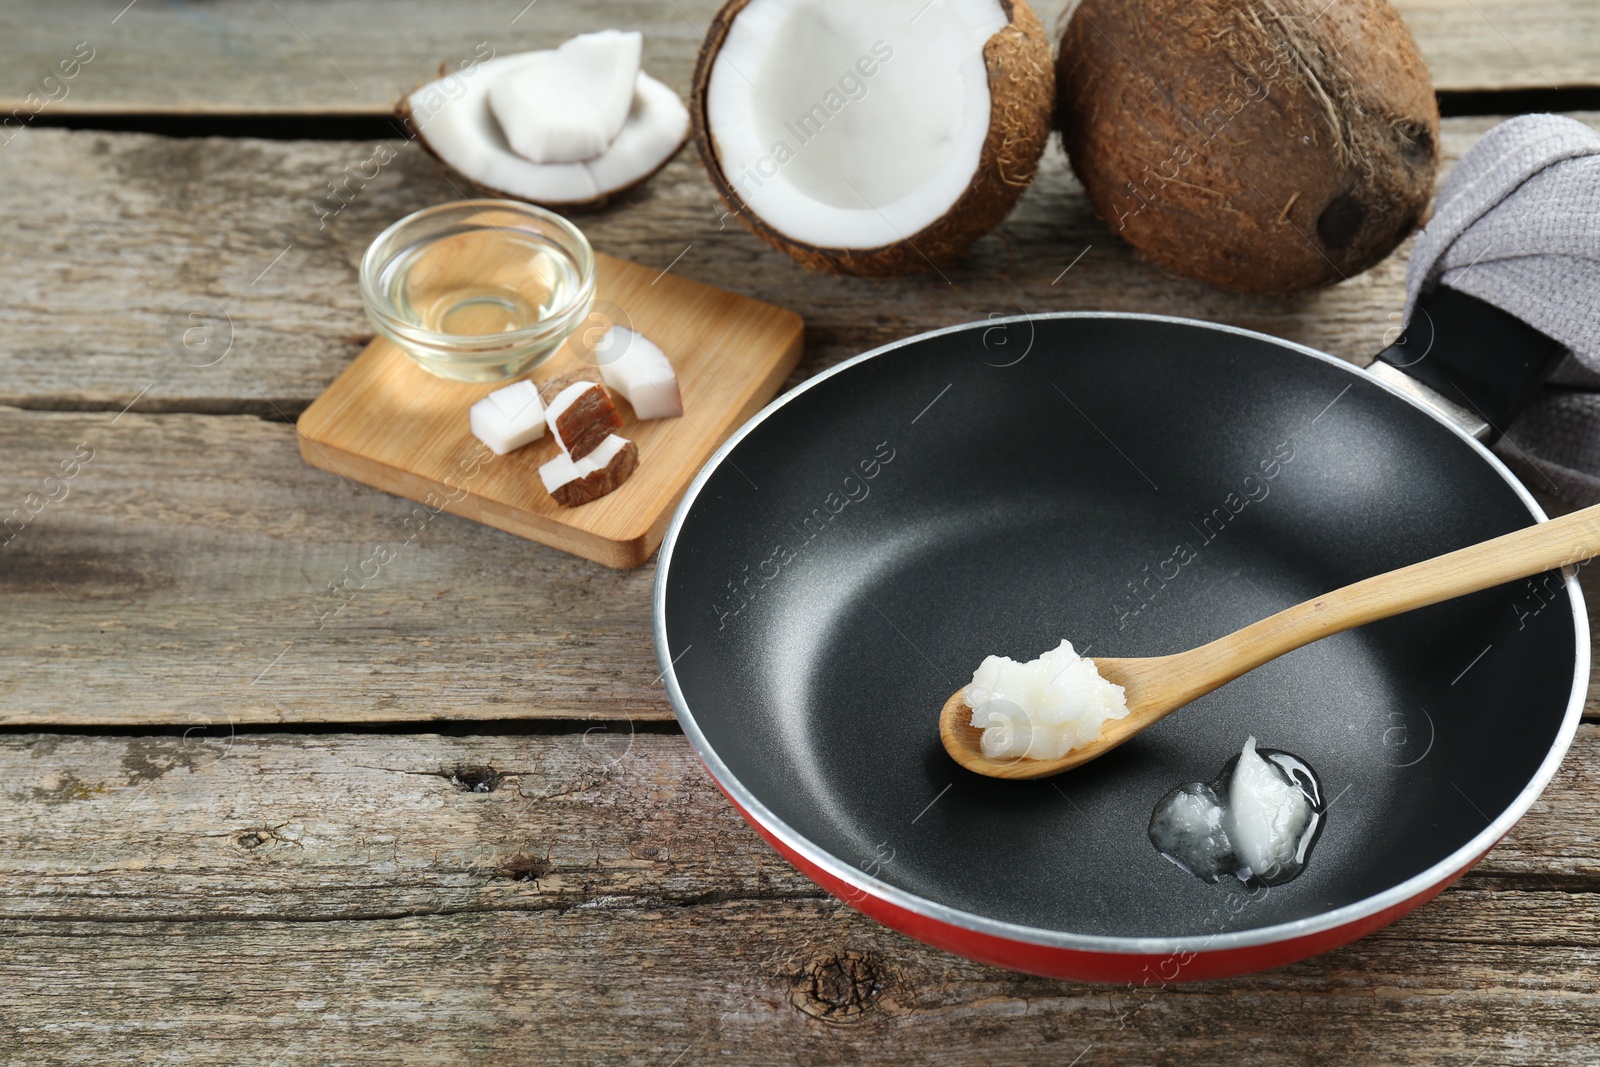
1517,225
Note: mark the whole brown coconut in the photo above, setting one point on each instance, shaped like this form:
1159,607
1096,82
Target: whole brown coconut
1262,145
1022,95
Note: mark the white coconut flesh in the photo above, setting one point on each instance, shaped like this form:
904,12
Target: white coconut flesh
453,116
852,125
568,105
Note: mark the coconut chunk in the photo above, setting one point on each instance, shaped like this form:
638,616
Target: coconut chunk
573,482
635,366
453,119
656,128
582,416
508,418
568,105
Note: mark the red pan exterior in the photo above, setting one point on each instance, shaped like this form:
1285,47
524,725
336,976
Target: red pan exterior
1144,971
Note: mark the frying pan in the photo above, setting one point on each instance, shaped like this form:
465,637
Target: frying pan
847,559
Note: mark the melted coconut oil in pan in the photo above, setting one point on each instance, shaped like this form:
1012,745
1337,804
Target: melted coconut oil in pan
480,282
1257,821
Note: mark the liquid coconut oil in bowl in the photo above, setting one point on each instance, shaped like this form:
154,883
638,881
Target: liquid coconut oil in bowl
478,290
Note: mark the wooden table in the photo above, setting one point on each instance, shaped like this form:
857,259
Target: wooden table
455,822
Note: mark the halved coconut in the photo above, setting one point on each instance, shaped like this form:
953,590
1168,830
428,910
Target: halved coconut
873,138
452,118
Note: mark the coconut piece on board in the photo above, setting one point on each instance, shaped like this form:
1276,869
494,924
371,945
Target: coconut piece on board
637,368
574,482
582,416
508,418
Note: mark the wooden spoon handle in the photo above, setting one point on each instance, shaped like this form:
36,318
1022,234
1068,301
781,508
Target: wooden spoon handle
1558,543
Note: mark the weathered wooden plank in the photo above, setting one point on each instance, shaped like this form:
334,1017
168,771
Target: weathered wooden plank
354,56
212,824
338,899
118,233
194,570
358,55
771,983
1505,44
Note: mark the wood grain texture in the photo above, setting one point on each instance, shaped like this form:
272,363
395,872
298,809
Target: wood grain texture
388,423
338,899
359,55
117,233
195,570
1505,44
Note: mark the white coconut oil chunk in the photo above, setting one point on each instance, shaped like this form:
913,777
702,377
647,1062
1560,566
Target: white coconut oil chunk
635,366
1041,709
1267,813
853,125
1258,821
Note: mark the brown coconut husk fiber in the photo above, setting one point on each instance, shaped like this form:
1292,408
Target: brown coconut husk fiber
1262,145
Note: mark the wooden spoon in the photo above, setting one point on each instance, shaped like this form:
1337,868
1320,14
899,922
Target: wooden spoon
1159,685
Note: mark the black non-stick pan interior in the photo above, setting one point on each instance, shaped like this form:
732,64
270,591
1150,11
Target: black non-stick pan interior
996,489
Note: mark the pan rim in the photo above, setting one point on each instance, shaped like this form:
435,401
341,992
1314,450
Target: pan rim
859,881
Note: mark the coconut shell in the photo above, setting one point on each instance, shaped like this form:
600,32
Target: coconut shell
1021,94
1261,145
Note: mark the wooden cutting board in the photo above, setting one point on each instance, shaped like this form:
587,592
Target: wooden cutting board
390,424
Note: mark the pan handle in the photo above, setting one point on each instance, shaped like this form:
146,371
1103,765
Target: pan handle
1468,359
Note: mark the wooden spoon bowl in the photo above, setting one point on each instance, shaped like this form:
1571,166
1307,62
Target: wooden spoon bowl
1141,681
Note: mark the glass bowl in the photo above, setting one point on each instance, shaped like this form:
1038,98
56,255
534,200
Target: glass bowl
478,290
